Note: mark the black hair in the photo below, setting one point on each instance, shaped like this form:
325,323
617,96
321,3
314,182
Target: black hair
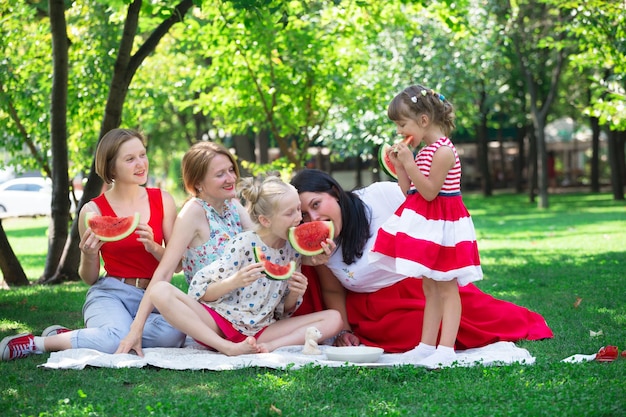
355,215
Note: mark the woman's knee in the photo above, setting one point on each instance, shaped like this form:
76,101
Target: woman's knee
161,292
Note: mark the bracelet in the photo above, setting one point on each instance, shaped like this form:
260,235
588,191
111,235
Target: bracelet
341,333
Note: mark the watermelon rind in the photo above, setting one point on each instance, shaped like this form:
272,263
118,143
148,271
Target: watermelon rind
384,161
303,247
119,236
259,256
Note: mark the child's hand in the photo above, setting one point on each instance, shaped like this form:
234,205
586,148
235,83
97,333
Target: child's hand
247,275
298,283
401,155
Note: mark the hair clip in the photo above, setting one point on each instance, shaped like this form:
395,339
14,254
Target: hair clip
414,99
424,93
442,97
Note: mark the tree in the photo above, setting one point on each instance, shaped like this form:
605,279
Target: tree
57,232
600,30
10,266
126,65
532,24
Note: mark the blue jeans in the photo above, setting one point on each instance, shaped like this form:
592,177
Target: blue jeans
108,312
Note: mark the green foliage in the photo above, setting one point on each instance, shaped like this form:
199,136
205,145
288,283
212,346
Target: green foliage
280,166
541,259
315,73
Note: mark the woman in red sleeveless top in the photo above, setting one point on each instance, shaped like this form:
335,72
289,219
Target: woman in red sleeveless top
114,297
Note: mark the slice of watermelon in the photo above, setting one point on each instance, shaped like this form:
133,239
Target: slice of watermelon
307,238
272,270
111,228
385,161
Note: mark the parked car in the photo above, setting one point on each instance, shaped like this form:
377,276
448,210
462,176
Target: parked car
25,196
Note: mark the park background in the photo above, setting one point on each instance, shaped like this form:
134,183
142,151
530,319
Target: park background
287,84
312,79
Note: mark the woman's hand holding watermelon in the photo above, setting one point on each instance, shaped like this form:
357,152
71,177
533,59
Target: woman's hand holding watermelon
329,247
90,244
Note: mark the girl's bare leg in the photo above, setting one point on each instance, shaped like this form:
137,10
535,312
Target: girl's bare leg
451,308
433,312
291,331
190,317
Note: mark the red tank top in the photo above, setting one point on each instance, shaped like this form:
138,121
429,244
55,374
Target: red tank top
128,258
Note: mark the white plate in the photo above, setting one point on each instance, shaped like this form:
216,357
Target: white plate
354,353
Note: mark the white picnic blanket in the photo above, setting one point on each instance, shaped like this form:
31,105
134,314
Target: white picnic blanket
194,356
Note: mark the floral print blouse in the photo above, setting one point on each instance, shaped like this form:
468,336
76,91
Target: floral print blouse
223,227
251,308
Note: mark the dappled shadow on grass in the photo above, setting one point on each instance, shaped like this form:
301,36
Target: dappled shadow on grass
32,309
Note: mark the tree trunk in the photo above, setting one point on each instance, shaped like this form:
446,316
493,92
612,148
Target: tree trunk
261,144
595,154
503,181
542,164
532,166
245,147
616,140
60,211
10,266
483,157
126,65
520,160
359,172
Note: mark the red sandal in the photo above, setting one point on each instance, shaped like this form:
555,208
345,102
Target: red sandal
607,354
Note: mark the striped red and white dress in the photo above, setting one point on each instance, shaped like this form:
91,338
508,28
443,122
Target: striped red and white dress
433,239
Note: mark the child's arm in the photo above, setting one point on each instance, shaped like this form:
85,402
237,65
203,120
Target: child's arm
428,187
241,278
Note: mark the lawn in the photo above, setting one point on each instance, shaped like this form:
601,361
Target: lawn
567,262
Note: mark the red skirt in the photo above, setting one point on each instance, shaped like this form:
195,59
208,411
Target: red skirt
391,318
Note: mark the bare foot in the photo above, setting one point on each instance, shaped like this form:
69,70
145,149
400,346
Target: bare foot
263,348
247,346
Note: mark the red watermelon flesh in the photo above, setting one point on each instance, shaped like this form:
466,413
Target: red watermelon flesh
111,228
385,161
272,270
307,238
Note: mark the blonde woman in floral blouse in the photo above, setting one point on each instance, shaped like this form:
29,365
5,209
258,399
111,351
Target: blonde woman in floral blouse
204,225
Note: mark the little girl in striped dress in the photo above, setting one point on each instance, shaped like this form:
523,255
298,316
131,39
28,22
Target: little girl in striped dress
431,235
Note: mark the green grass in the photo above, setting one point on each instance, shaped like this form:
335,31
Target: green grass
541,259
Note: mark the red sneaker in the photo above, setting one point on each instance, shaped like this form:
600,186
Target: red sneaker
18,346
607,354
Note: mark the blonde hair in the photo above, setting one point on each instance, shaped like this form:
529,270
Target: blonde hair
417,100
263,199
107,150
197,160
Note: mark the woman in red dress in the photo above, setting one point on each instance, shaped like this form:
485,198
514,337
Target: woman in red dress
379,307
